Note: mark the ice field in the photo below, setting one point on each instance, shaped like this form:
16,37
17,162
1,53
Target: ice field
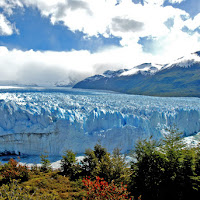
38,120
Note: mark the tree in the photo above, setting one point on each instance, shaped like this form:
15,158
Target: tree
119,171
165,170
173,150
46,165
69,165
97,162
148,171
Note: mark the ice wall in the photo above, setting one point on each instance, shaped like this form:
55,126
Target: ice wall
34,123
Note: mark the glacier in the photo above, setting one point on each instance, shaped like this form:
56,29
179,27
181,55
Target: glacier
38,120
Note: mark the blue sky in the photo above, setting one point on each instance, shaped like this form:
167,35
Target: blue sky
72,39
49,37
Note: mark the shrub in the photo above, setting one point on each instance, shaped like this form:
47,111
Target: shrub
13,170
101,189
14,190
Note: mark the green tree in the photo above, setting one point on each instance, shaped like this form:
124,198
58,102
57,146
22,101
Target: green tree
46,164
148,171
89,162
97,162
120,171
69,165
174,151
165,170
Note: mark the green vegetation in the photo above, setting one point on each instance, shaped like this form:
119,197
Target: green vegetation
69,165
168,170
46,165
170,82
48,185
164,170
99,162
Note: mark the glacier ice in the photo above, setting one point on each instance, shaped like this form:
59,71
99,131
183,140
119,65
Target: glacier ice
33,122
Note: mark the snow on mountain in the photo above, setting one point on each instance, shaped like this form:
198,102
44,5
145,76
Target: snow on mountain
111,74
34,122
186,61
146,68
106,74
179,78
149,68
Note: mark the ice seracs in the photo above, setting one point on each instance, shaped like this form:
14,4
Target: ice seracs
37,122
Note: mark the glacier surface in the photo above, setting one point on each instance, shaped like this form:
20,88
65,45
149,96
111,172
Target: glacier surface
34,121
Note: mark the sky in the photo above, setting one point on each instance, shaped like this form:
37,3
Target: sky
49,42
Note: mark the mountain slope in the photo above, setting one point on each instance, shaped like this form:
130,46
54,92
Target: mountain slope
180,78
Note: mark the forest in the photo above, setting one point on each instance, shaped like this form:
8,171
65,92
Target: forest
160,170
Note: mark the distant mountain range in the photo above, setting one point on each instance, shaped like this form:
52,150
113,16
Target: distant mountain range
180,78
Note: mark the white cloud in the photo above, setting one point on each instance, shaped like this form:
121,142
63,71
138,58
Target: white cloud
161,2
126,20
49,67
44,68
193,24
8,6
35,67
176,1
154,2
6,28
176,44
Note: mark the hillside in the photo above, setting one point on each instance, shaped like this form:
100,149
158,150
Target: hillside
180,79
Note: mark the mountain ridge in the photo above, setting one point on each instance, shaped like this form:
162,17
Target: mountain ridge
180,78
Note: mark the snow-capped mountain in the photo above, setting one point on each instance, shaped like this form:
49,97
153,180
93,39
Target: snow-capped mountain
178,78
186,61
146,68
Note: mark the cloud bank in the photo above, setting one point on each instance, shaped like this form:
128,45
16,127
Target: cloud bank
168,33
51,68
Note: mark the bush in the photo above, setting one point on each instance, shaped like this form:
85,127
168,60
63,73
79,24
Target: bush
100,189
13,170
14,191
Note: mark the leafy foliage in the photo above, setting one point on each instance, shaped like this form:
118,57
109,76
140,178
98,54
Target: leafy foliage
13,170
69,165
99,162
15,191
46,165
100,189
165,172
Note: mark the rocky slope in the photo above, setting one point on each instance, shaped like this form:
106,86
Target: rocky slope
179,78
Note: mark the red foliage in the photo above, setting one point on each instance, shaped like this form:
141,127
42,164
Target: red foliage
13,170
100,189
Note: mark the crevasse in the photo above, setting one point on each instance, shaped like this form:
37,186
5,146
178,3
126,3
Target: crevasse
37,122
